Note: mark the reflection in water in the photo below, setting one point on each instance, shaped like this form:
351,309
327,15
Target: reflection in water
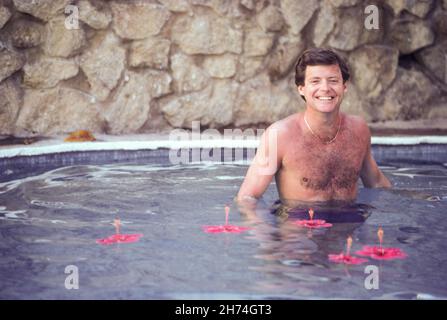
346,219
333,212
292,254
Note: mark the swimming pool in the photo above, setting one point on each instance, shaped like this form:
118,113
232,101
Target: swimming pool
53,208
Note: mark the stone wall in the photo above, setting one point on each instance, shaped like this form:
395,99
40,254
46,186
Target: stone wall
142,66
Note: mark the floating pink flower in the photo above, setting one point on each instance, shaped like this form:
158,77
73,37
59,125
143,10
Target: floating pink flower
227,228
119,238
381,253
223,229
346,258
313,224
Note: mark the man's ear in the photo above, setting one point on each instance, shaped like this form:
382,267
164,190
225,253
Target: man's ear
345,86
301,90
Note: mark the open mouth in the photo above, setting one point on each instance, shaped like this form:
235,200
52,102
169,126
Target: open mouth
325,98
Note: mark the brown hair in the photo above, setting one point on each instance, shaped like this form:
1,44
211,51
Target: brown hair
319,56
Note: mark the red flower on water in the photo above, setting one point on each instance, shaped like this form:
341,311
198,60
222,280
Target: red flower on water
381,253
227,228
313,224
119,238
346,258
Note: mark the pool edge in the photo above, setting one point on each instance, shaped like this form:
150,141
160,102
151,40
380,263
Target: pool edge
58,146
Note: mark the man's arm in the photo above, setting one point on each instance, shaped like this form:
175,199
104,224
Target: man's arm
371,175
263,167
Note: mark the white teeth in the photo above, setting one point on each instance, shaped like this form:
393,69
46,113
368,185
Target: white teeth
325,98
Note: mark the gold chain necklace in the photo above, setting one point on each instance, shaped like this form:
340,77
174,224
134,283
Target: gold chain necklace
315,135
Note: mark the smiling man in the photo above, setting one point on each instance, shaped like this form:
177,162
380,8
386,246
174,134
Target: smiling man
318,154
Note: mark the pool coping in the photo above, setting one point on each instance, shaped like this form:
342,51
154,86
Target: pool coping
156,141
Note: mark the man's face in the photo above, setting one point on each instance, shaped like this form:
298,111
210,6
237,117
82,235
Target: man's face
323,87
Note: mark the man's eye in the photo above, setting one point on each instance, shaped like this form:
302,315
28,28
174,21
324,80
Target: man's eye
333,81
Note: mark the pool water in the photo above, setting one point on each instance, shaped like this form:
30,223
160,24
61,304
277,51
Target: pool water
50,220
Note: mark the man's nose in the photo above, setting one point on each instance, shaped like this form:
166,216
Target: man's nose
324,85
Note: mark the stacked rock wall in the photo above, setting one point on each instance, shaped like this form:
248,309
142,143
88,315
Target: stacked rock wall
137,66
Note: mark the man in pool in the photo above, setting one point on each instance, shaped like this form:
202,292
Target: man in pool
319,154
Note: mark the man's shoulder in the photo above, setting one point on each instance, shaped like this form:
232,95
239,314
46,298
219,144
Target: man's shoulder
357,123
355,119
285,125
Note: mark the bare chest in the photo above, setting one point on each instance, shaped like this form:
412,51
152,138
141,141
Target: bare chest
318,167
